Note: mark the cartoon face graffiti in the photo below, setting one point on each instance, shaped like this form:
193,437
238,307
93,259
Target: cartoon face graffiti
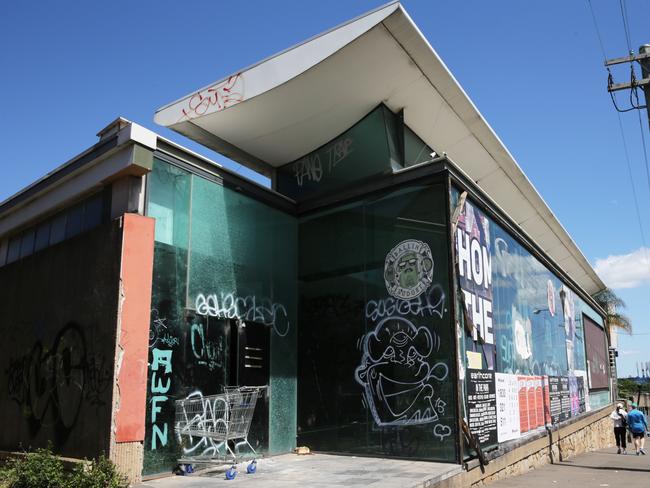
399,381
408,269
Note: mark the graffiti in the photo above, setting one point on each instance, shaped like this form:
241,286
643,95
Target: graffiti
441,431
398,380
250,308
408,269
426,305
58,379
169,340
159,358
312,168
220,96
209,417
158,328
98,371
208,353
440,406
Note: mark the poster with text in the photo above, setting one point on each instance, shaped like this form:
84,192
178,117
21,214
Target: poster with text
482,405
472,243
555,398
507,393
566,398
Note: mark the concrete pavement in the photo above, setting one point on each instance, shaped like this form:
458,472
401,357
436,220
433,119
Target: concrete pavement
320,471
593,469
602,468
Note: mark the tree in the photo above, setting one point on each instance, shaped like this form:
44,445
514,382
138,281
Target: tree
611,303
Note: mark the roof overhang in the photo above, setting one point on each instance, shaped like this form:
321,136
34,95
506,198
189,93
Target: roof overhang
286,106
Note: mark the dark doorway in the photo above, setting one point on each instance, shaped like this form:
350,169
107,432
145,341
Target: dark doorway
250,366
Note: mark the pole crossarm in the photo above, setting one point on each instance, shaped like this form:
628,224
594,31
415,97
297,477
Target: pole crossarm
627,59
624,86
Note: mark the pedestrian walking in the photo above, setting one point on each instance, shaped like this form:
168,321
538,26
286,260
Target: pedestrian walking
619,418
638,426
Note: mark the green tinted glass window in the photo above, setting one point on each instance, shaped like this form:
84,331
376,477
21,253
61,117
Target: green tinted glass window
376,145
375,372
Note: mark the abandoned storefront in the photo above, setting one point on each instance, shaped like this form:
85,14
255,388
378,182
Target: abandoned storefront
401,276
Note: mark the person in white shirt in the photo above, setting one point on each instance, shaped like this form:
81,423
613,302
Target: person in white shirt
619,417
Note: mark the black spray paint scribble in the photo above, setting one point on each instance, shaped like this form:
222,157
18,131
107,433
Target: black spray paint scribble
58,379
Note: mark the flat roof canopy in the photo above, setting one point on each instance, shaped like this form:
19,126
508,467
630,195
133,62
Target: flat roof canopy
286,106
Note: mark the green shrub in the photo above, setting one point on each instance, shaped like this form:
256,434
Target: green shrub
100,474
42,469
38,469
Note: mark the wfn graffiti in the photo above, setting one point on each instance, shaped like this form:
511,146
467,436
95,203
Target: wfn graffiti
58,379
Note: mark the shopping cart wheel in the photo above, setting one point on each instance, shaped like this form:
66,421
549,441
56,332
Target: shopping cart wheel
252,467
231,473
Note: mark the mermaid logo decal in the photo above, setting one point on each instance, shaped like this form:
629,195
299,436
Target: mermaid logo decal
408,269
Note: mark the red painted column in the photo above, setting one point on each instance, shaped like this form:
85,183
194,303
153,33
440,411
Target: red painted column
135,311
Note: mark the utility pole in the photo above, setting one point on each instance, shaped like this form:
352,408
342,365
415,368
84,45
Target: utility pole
643,58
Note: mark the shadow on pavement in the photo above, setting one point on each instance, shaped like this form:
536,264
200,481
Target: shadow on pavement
608,468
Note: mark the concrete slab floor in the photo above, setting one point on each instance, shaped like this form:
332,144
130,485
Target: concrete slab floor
320,470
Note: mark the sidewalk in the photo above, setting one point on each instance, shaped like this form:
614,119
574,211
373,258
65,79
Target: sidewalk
598,469
322,471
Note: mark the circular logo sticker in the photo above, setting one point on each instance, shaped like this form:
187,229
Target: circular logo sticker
408,270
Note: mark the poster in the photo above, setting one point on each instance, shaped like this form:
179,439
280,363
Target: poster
531,403
596,349
482,405
583,393
566,398
555,399
475,273
507,391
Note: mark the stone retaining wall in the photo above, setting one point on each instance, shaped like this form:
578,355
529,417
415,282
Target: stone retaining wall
587,434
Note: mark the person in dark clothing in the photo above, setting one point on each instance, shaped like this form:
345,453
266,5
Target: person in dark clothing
619,418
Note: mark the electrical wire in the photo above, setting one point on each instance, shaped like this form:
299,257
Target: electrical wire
626,25
620,125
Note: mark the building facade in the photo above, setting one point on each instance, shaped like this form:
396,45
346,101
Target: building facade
400,278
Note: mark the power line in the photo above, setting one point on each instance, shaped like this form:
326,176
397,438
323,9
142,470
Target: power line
620,123
626,26
600,39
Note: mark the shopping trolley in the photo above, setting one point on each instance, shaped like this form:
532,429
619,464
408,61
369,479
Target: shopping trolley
212,422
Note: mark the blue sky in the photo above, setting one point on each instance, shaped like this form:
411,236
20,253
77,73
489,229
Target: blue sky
534,70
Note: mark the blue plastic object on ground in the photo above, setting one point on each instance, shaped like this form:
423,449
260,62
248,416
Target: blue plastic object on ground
252,467
231,473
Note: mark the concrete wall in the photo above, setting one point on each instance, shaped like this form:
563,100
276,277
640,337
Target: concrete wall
590,433
58,310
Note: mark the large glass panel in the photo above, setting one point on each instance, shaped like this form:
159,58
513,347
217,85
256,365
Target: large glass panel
243,266
375,358
169,204
376,145
524,325
223,263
